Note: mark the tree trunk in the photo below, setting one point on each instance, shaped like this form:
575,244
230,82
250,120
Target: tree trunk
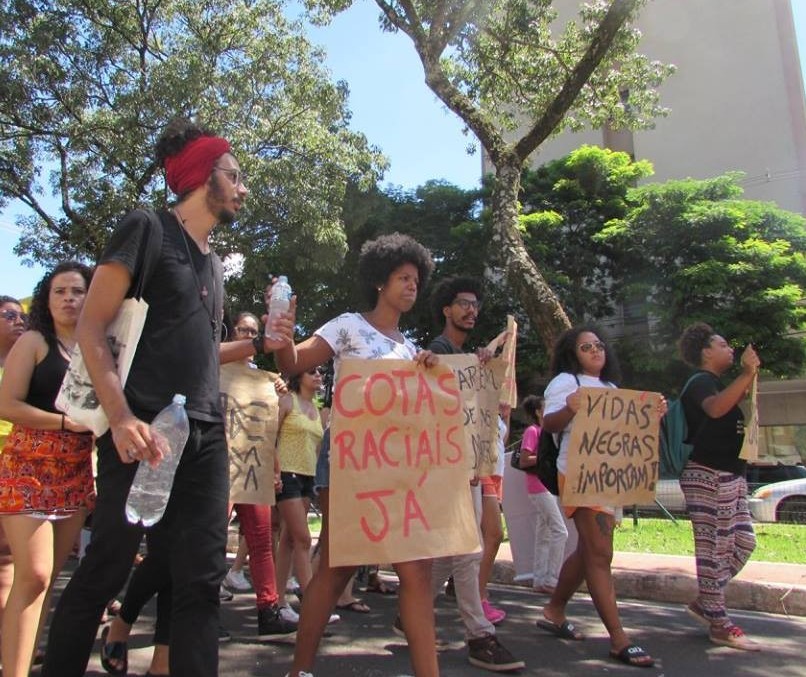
538,299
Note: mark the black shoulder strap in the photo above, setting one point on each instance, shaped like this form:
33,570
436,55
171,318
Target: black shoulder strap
152,252
560,434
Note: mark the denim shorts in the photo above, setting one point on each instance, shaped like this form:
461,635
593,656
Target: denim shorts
322,478
295,486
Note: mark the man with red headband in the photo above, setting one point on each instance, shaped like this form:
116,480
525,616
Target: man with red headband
179,352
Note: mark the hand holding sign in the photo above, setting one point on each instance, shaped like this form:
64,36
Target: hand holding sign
613,448
250,406
749,451
480,387
398,484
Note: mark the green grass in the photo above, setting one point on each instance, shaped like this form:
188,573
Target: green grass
775,542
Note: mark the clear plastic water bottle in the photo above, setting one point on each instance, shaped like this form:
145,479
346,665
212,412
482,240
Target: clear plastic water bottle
151,487
279,301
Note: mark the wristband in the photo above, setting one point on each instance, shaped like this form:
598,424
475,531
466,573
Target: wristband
257,344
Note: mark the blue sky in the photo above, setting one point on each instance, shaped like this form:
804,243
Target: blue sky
391,105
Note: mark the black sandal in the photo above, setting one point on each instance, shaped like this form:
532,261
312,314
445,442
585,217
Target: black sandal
114,651
634,656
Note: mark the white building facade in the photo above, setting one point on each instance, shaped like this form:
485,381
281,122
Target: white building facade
736,100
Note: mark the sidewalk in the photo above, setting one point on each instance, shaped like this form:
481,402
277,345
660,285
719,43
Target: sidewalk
760,586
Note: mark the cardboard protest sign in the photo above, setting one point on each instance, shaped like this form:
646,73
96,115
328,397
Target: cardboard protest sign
399,486
749,450
250,407
509,391
613,448
480,390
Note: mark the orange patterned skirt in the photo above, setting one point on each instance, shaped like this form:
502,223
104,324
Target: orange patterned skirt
46,471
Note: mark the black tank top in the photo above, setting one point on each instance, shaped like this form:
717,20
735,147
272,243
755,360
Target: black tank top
47,379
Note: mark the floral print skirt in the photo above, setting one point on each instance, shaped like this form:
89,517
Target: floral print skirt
46,472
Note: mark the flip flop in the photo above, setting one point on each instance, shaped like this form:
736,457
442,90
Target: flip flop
114,651
356,606
544,589
566,630
382,588
633,655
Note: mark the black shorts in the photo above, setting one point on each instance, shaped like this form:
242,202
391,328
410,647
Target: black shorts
295,486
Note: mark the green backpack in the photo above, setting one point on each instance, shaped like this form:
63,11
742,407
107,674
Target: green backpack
675,444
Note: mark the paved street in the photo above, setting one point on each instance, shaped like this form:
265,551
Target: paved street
363,645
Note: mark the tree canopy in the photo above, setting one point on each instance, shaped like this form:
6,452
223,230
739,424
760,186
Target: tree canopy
566,204
642,262
87,85
516,72
696,251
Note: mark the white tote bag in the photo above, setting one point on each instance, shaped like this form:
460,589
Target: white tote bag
77,398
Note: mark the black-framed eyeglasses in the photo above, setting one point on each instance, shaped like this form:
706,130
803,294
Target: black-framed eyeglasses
237,177
591,345
246,331
13,316
467,304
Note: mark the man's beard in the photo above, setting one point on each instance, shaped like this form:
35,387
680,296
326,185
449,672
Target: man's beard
458,327
216,199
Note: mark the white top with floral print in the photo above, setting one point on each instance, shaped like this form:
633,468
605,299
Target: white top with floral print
350,335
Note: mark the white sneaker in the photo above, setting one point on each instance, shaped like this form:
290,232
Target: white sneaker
288,614
235,580
300,674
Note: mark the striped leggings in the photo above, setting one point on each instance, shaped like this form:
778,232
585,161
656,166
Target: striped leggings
723,532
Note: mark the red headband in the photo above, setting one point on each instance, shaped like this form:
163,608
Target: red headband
190,167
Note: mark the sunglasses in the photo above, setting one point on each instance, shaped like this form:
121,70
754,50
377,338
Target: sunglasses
591,345
13,316
314,371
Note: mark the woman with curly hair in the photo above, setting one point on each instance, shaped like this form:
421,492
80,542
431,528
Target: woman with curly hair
582,359
713,479
46,488
391,270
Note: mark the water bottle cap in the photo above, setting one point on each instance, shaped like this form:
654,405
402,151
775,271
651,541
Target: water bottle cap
180,399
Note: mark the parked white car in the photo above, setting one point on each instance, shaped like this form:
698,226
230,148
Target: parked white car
780,502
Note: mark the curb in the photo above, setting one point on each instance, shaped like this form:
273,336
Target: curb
774,598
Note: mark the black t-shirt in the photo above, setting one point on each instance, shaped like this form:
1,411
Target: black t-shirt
716,441
178,351
442,346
